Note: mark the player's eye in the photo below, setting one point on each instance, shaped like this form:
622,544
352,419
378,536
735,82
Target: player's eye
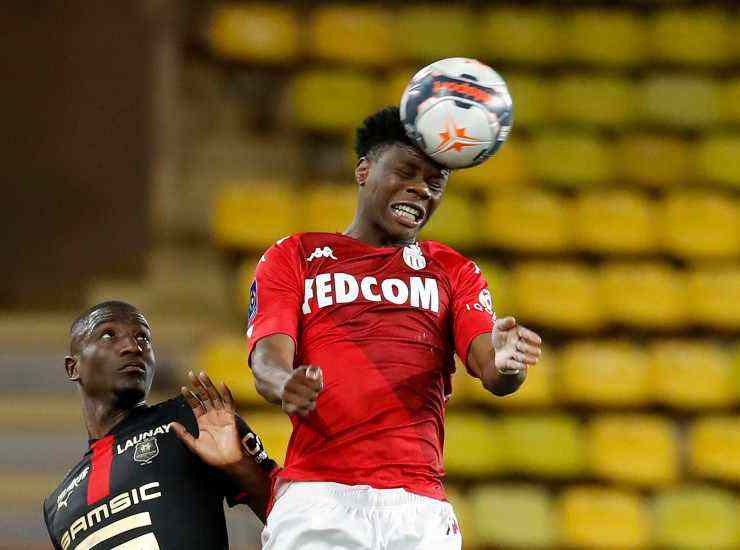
405,174
144,338
435,186
107,334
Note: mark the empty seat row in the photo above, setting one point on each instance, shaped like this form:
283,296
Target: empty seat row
370,36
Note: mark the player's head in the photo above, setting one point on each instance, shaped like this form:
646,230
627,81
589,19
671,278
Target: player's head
111,354
392,173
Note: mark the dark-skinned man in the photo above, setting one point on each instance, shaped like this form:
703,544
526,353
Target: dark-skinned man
153,477
354,335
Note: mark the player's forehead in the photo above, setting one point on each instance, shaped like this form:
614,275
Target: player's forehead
102,319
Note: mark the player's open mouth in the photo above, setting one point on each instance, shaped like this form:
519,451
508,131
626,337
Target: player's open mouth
408,214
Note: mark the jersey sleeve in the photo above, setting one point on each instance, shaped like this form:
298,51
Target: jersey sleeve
276,293
54,543
472,308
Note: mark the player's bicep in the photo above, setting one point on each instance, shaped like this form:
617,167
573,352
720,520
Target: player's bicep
473,317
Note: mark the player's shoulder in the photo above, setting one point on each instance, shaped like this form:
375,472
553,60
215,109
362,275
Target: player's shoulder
71,480
448,257
302,245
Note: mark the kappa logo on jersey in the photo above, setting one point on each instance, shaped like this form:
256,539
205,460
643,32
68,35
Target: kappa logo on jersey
146,450
134,441
413,257
63,498
340,288
319,253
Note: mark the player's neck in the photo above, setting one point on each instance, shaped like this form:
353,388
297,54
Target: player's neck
372,235
101,416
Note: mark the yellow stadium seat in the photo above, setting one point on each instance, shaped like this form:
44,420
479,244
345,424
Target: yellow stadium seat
507,169
635,449
614,221
528,219
695,517
605,37
730,102
262,33
714,297
542,445
328,208
395,84
718,159
351,34
521,34
225,359
714,448
692,36
273,428
455,222
537,390
333,101
463,511
602,518
680,101
593,100
570,159
473,445
513,516
556,294
691,375
697,224
654,160
499,284
252,217
534,105
644,295
427,33
243,283
604,374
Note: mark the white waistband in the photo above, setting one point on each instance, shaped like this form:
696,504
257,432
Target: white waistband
359,496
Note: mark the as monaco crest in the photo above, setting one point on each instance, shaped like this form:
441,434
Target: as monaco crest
413,257
146,450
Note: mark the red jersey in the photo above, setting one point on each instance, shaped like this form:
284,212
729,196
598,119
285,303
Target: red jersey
383,324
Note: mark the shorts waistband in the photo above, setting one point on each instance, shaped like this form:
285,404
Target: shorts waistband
361,496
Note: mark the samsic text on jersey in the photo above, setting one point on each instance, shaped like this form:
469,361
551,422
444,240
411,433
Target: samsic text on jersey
140,488
383,323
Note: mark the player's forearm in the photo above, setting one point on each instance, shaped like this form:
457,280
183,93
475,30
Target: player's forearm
253,482
270,376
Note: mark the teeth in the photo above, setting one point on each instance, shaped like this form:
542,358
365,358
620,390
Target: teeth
408,211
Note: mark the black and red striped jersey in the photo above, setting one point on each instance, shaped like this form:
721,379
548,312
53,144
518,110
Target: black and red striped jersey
140,488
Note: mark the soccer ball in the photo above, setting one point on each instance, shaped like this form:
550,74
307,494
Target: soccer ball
458,111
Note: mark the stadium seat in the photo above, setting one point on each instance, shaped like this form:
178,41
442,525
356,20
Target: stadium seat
654,160
593,100
570,159
463,511
499,283
684,102
537,390
395,83
730,102
697,224
556,294
544,213
634,449
548,446
225,359
605,37
714,297
694,517
691,375
351,34
332,101
644,295
602,518
692,36
714,448
256,33
604,374
273,428
243,283
513,516
718,160
455,222
521,34
473,445
617,221
507,170
328,207
534,105
428,32
252,217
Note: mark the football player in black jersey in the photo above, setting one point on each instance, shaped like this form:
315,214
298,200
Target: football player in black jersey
153,476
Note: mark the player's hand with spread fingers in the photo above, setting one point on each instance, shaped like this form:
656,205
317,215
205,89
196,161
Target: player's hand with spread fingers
218,442
301,389
516,347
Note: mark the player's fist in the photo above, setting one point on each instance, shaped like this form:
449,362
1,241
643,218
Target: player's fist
301,390
516,347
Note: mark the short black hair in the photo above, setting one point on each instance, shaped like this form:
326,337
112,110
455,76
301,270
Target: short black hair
85,323
380,129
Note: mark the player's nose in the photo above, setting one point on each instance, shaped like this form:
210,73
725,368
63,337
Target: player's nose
130,344
419,188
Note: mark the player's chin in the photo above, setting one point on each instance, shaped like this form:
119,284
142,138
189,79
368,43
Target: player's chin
132,390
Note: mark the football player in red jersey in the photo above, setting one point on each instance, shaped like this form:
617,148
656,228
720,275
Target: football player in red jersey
354,334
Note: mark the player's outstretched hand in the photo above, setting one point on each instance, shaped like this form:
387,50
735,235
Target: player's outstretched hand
218,441
302,389
516,346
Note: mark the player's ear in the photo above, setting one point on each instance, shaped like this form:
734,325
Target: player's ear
362,170
70,365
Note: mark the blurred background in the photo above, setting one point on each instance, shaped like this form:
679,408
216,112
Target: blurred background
154,148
